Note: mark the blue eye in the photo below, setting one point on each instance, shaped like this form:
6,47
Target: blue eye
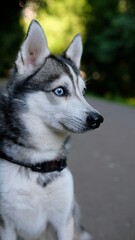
60,91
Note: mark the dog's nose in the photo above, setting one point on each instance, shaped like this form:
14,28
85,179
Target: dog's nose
94,120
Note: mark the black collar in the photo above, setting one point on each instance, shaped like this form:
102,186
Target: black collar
43,167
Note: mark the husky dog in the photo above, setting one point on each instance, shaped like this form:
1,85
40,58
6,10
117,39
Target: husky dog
41,105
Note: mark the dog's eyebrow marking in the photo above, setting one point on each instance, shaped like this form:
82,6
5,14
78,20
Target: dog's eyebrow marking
67,64
64,64
71,69
52,78
76,82
71,78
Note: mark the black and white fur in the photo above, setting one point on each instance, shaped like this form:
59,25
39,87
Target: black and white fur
40,107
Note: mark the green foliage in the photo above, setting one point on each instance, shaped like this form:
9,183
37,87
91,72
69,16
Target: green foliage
107,28
61,20
109,51
10,34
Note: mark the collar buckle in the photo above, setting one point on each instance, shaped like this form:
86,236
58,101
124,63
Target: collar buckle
50,166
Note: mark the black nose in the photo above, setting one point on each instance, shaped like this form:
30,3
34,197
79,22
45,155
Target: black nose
94,120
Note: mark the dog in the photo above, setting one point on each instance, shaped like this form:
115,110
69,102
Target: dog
41,105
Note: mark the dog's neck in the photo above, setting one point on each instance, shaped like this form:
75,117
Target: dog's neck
45,140
54,148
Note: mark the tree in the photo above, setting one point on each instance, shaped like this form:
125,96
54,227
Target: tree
110,47
11,33
61,20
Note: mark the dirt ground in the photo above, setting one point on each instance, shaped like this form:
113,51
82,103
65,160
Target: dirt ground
103,165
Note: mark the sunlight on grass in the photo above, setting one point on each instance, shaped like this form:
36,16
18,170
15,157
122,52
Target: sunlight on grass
131,101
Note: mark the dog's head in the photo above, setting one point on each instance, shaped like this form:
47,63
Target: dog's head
52,86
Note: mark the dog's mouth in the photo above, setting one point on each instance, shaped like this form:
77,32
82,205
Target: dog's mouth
75,128
77,125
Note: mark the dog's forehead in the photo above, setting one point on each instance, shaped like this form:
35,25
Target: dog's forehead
55,67
73,72
52,72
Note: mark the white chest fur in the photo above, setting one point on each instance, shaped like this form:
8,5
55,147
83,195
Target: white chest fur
30,206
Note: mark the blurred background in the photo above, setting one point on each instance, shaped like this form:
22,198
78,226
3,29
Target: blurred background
107,28
102,162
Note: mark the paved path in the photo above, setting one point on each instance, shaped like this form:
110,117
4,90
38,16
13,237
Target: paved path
103,165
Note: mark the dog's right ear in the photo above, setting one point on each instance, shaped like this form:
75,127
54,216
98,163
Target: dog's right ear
75,49
33,51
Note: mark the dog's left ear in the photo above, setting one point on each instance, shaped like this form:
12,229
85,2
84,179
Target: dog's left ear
33,51
75,49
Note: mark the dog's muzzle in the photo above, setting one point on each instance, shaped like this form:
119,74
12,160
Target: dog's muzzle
94,120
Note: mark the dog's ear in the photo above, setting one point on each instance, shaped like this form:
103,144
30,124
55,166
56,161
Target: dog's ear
33,51
75,49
